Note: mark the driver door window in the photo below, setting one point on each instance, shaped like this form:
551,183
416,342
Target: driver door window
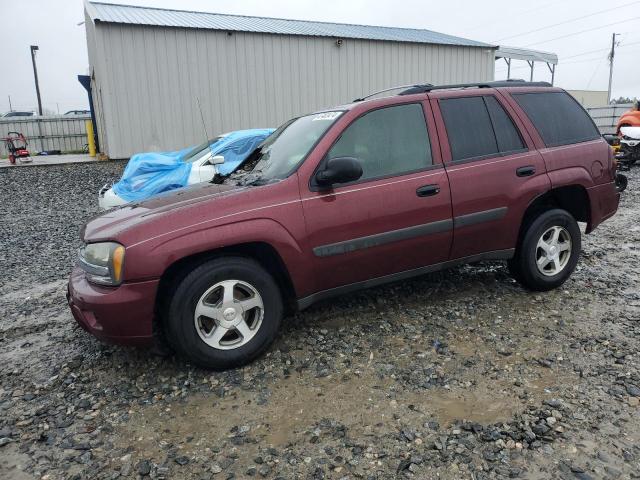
388,141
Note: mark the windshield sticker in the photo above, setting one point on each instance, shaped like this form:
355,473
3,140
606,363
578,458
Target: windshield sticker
327,116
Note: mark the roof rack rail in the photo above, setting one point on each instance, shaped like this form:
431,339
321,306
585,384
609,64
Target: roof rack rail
427,87
495,84
362,99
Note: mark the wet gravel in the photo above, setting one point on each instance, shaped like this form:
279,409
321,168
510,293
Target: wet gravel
460,374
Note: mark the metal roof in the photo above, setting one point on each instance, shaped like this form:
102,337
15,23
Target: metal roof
526,54
128,14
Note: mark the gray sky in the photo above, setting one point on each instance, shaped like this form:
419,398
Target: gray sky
52,24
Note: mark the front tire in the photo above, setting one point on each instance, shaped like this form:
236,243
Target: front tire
548,251
224,313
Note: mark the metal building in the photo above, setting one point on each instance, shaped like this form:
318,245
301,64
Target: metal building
591,98
150,68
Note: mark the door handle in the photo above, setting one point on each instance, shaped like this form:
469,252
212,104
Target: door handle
428,190
526,171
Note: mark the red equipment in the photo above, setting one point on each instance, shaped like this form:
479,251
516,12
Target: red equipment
16,145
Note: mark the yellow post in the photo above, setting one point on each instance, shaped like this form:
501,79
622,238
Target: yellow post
90,139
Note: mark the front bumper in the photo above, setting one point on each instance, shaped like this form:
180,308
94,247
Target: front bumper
121,315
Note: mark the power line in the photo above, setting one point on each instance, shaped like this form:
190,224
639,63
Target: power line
568,21
598,57
596,51
585,53
600,50
583,31
500,19
586,60
593,75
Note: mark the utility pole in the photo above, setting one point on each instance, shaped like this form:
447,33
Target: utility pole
10,107
612,54
35,76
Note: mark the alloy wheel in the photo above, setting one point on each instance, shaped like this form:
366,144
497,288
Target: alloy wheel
553,251
229,314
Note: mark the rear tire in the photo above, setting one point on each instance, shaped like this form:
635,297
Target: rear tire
224,313
548,251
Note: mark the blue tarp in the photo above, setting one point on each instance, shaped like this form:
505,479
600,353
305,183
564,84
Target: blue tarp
148,174
237,146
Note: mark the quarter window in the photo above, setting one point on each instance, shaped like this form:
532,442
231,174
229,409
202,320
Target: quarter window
559,119
387,141
507,135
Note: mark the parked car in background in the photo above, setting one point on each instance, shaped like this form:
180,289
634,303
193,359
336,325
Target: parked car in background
15,113
630,118
149,174
629,152
351,197
78,112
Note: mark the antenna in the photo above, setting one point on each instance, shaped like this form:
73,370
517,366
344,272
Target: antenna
204,127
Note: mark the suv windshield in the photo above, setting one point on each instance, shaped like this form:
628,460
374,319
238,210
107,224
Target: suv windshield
285,148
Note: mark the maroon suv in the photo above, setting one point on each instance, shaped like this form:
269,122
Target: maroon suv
356,196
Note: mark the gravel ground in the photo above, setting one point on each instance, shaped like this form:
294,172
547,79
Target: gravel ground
461,374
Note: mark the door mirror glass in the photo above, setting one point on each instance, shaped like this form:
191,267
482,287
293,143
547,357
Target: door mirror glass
339,170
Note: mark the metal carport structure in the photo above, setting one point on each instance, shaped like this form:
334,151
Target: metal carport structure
530,56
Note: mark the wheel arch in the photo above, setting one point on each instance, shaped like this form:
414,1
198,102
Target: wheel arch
262,252
572,198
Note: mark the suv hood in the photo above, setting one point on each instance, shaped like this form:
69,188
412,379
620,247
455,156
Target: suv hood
111,224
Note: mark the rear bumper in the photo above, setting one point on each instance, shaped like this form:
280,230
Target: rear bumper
122,315
604,200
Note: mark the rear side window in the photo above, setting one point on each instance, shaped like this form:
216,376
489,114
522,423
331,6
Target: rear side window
468,128
478,127
387,141
559,119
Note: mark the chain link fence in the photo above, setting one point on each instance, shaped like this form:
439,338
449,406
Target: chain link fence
66,133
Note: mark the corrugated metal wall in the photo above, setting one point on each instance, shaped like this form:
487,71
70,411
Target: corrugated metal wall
149,79
57,132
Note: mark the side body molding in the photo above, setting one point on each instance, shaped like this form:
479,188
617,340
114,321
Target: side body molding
409,232
383,238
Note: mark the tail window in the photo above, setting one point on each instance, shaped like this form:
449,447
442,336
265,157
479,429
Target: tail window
558,117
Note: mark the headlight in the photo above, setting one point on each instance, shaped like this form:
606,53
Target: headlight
102,262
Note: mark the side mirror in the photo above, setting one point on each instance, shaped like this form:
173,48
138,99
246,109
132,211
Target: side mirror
217,160
339,170
611,139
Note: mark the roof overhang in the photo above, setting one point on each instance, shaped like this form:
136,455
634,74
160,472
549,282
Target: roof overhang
151,16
